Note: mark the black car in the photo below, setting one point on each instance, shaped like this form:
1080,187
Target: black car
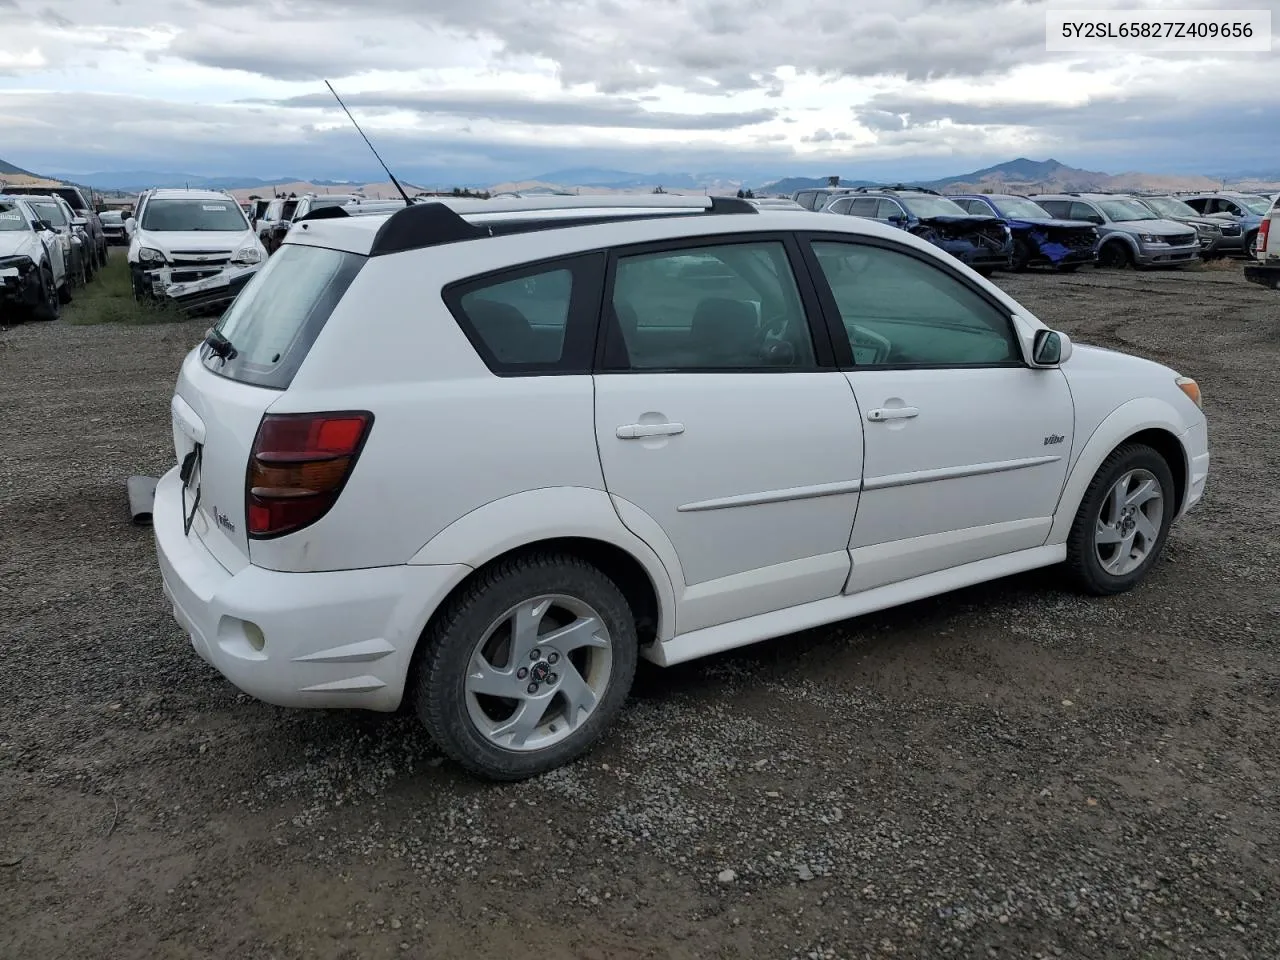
113,228
1039,238
982,242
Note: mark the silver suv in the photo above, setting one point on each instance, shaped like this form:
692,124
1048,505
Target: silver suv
1130,233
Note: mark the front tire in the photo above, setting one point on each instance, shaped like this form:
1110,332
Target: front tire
1123,521
525,668
1021,255
1115,255
50,306
1251,245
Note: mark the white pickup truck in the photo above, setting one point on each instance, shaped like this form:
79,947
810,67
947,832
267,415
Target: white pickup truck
1266,271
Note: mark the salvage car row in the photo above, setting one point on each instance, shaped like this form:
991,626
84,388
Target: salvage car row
990,232
52,242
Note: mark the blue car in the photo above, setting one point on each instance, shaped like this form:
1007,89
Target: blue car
1039,238
1243,213
981,241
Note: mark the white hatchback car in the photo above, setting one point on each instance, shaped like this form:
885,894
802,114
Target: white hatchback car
481,455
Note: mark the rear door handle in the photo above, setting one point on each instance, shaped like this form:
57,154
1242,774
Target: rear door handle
638,431
892,413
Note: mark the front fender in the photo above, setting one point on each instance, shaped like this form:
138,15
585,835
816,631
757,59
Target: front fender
1131,417
549,513
1125,238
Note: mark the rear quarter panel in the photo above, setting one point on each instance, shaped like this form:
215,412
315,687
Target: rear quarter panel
448,435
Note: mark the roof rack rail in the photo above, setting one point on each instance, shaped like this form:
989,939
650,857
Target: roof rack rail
440,222
902,187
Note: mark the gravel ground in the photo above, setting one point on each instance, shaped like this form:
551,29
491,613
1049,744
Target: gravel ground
1007,771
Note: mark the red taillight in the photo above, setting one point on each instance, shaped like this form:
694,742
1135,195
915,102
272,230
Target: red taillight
297,467
1263,232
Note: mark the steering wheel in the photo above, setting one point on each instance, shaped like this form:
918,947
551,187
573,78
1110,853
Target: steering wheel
862,339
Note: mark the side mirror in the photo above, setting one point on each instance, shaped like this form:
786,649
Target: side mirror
79,222
1050,348
130,225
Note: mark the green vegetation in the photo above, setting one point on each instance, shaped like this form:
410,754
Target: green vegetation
109,299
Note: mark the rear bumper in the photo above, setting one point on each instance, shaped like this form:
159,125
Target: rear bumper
336,639
1265,274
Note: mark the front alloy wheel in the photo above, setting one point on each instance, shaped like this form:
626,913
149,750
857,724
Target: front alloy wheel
1128,524
1123,520
526,666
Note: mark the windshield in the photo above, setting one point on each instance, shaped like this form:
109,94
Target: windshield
200,215
1170,207
1022,207
1125,209
933,207
12,216
48,210
1258,205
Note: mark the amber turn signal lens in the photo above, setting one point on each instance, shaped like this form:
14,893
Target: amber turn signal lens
1190,388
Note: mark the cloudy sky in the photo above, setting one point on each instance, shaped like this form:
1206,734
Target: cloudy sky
486,90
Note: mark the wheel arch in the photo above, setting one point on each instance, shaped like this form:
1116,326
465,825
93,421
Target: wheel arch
579,521
1124,240
1145,420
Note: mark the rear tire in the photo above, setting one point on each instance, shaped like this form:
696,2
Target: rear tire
1251,246
1123,521
555,641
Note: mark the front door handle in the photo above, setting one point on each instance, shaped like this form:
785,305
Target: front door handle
892,413
638,431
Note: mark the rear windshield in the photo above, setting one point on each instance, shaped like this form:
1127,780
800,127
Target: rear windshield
277,317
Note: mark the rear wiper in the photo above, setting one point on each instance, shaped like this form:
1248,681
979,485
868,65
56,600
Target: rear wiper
219,345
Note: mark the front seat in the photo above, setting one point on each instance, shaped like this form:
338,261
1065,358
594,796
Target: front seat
724,333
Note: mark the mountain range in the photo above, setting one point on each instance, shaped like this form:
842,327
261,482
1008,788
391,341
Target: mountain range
1015,176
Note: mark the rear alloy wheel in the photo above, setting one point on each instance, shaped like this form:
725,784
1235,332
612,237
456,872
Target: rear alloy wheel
527,666
1251,245
1115,255
49,307
1123,520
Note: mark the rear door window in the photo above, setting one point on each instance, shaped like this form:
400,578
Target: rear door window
280,313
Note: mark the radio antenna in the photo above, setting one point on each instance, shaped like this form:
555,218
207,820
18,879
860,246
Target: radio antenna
407,201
